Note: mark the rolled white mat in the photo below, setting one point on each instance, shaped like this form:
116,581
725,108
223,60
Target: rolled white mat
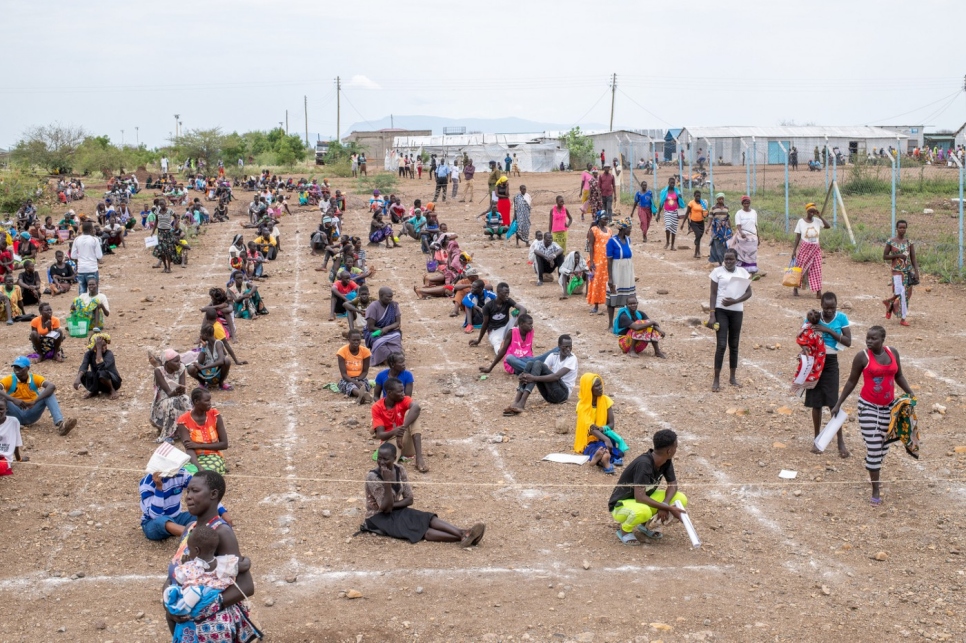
688,527
825,436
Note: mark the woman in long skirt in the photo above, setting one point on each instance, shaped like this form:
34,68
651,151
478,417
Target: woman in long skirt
597,238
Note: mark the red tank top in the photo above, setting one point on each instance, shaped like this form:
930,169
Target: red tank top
878,380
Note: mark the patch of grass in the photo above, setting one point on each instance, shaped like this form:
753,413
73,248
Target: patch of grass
382,181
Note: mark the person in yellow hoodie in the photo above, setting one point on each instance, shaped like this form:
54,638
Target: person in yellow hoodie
595,436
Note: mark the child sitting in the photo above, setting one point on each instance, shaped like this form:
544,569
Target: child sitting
354,368
493,225
200,580
811,361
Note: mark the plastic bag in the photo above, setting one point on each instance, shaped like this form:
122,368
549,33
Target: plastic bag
792,278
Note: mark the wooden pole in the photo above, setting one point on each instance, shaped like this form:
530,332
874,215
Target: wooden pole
845,215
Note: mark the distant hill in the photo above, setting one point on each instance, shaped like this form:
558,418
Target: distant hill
510,125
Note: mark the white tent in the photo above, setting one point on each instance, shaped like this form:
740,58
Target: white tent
534,152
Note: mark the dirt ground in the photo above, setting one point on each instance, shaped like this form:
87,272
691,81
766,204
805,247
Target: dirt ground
780,561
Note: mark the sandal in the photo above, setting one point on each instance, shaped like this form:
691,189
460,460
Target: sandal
875,502
226,387
473,536
653,535
510,411
609,470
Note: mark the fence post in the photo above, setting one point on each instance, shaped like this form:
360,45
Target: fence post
711,168
654,153
898,163
678,151
961,176
754,160
893,161
835,165
785,153
747,168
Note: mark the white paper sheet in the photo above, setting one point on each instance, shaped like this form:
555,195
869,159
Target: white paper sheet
567,458
688,526
787,474
166,460
824,438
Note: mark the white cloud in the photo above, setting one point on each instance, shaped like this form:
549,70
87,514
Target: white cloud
361,82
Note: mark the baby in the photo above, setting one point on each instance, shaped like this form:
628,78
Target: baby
201,576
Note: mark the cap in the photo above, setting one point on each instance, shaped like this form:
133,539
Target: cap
746,198
21,362
719,195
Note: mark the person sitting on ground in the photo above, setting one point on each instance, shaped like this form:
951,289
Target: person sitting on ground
63,276
161,514
517,349
223,310
46,335
493,224
380,231
115,234
243,295
11,441
472,305
554,377
98,372
595,436
92,305
635,331
354,368
27,396
634,506
397,368
6,305
30,284
383,330
12,296
255,262
573,275
220,328
27,247
499,316
344,290
413,226
170,394
356,309
202,433
213,363
396,416
389,512
266,243
547,257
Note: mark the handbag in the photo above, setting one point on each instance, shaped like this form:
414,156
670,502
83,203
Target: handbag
432,265
574,283
792,278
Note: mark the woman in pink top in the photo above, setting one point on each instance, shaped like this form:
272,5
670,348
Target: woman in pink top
560,221
881,370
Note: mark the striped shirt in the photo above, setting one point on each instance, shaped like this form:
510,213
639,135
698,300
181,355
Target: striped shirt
167,501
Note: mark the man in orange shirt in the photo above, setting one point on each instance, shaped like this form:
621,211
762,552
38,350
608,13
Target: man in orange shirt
27,396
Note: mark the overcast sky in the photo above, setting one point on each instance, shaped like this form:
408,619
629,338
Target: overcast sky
238,65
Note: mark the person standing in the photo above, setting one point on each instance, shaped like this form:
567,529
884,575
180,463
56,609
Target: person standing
468,172
603,158
696,212
793,158
720,230
362,164
836,335
806,249
560,222
644,206
432,167
86,252
521,214
585,178
728,294
507,162
597,238
503,199
442,176
881,370
515,167
607,190
493,178
620,270
454,177
905,272
354,164
746,239
164,165
670,203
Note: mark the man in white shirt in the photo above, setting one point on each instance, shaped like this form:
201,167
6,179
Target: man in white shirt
86,252
548,255
10,440
554,377
164,165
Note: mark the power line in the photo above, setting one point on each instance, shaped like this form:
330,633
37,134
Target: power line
942,110
577,122
644,108
879,120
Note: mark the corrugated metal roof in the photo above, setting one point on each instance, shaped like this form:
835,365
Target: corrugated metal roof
804,131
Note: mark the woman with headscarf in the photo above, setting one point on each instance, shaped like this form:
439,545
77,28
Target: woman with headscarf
98,373
720,230
594,435
806,249
244,297
170,394
620,269
573,266
597,238
745,240
383,330
503,199
595,201
237,253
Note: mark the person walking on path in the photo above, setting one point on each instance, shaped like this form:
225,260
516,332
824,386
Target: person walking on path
560,222
644,206
730,288
881,371
469,171
836,335
670,203
806,249
597,238
905,272
607,190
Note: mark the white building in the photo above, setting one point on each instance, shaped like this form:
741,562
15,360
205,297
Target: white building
534,152
735,145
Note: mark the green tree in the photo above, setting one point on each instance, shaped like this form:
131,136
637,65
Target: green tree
51,147
581,147
290,150
98,154
205,144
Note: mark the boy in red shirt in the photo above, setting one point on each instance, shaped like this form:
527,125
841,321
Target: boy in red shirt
395,416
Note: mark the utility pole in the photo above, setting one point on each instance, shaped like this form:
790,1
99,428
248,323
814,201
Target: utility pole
613,92
286,122
122,138
137,137
306,100
176,123
338,109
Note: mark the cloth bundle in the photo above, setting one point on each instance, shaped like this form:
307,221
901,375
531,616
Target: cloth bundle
903,426
811,361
